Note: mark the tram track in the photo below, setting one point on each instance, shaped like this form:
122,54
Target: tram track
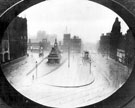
53,70
36,66
47,72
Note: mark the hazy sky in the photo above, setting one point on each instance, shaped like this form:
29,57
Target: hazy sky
83,18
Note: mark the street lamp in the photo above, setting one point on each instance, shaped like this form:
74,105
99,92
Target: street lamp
90,63
36,69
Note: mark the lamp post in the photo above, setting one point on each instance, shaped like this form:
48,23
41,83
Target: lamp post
36,69
90,63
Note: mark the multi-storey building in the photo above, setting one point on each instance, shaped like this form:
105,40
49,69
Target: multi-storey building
129,47
14,42
120,47
105,43
74,44
66,42
115,37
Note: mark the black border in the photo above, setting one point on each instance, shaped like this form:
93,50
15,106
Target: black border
118,100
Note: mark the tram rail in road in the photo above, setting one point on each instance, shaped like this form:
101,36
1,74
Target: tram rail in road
37,64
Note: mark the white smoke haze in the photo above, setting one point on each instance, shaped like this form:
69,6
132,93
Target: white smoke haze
83,18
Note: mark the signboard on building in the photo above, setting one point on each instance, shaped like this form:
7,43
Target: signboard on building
121,55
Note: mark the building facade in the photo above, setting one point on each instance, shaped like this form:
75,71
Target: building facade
120,47
105,44
129,47
74,44
66,42
46,45
115,37
14,42
37,45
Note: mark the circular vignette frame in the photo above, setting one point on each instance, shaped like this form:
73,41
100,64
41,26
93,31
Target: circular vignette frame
16,100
